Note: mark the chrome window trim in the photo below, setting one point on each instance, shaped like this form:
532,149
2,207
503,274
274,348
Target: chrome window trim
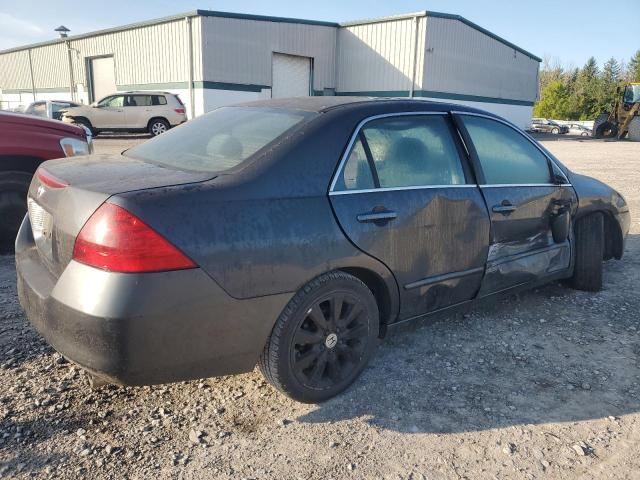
393,189
518,130
353,139
504,185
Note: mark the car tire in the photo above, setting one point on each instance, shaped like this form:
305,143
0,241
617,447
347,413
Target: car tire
13,206
555,131
589,244
584,134
158,126
313,353
86,123
634,130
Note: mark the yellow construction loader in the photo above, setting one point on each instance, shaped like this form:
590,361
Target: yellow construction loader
624,118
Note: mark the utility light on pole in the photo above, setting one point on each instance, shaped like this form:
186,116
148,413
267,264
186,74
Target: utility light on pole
62,31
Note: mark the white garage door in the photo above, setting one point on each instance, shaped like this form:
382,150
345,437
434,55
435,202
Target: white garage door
291,76
103,77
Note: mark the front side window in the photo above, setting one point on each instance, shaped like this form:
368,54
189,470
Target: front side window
506,156
115,101
219,140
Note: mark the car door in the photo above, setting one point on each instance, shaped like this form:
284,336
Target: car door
138,109
109,113
404,195
528,198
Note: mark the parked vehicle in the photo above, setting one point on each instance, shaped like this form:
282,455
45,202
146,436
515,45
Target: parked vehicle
49,108
294,233
623,118
547,126
577,129
25,142
153,112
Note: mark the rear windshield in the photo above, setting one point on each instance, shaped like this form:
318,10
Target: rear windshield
219,140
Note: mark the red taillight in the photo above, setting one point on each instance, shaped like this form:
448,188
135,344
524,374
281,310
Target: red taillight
114,239
50,180
180,110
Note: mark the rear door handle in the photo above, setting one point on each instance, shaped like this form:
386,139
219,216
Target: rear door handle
504,208
377,217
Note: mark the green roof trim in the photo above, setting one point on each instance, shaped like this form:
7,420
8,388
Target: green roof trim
264,18
438,95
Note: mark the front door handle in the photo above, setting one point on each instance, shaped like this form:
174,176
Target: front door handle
378,217
504,208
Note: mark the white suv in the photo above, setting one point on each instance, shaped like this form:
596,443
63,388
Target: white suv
153,112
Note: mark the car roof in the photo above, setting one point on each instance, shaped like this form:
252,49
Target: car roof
322,104
145,92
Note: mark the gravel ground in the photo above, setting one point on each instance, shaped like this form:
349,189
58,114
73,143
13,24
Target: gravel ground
545,384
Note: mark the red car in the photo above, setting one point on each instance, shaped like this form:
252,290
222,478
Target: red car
25,142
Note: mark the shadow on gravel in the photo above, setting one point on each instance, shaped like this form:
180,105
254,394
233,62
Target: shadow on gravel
24,440
548,355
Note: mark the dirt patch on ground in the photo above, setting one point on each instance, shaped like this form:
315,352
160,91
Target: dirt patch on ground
545,384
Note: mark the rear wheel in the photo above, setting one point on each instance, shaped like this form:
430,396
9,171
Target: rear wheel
158,126
634,130
589,244
323,339
13,206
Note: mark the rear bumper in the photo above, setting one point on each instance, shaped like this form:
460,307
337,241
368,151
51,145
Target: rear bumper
141,329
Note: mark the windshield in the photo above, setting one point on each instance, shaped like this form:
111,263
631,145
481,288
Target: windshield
219,140
632,94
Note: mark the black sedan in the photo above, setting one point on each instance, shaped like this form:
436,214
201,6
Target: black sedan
293,234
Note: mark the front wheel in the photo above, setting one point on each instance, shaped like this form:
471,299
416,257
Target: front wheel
323,339
13,206
589,245
158,126
555,131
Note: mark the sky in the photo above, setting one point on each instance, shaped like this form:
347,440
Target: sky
568,32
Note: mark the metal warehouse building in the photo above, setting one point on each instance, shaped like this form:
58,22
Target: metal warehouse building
215,58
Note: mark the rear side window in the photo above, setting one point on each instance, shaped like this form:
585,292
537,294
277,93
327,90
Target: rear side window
158,100
506,156
219,140
415,150
356,173
139,100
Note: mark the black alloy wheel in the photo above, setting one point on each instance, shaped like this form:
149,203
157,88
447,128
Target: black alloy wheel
323,339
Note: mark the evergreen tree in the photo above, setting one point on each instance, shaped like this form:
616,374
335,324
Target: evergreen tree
587,90
633,70
611,75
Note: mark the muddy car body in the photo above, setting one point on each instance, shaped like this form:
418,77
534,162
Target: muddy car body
359,216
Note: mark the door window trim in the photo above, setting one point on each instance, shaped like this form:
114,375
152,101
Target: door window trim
356,135
552,163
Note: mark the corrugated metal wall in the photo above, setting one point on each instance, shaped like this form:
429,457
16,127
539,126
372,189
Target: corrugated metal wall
145,55
14,70
239,50
461,59
379,56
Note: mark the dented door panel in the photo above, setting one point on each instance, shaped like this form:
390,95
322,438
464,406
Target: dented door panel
436,245
522,248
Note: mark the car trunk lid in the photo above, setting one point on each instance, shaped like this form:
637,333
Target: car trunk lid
58,209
